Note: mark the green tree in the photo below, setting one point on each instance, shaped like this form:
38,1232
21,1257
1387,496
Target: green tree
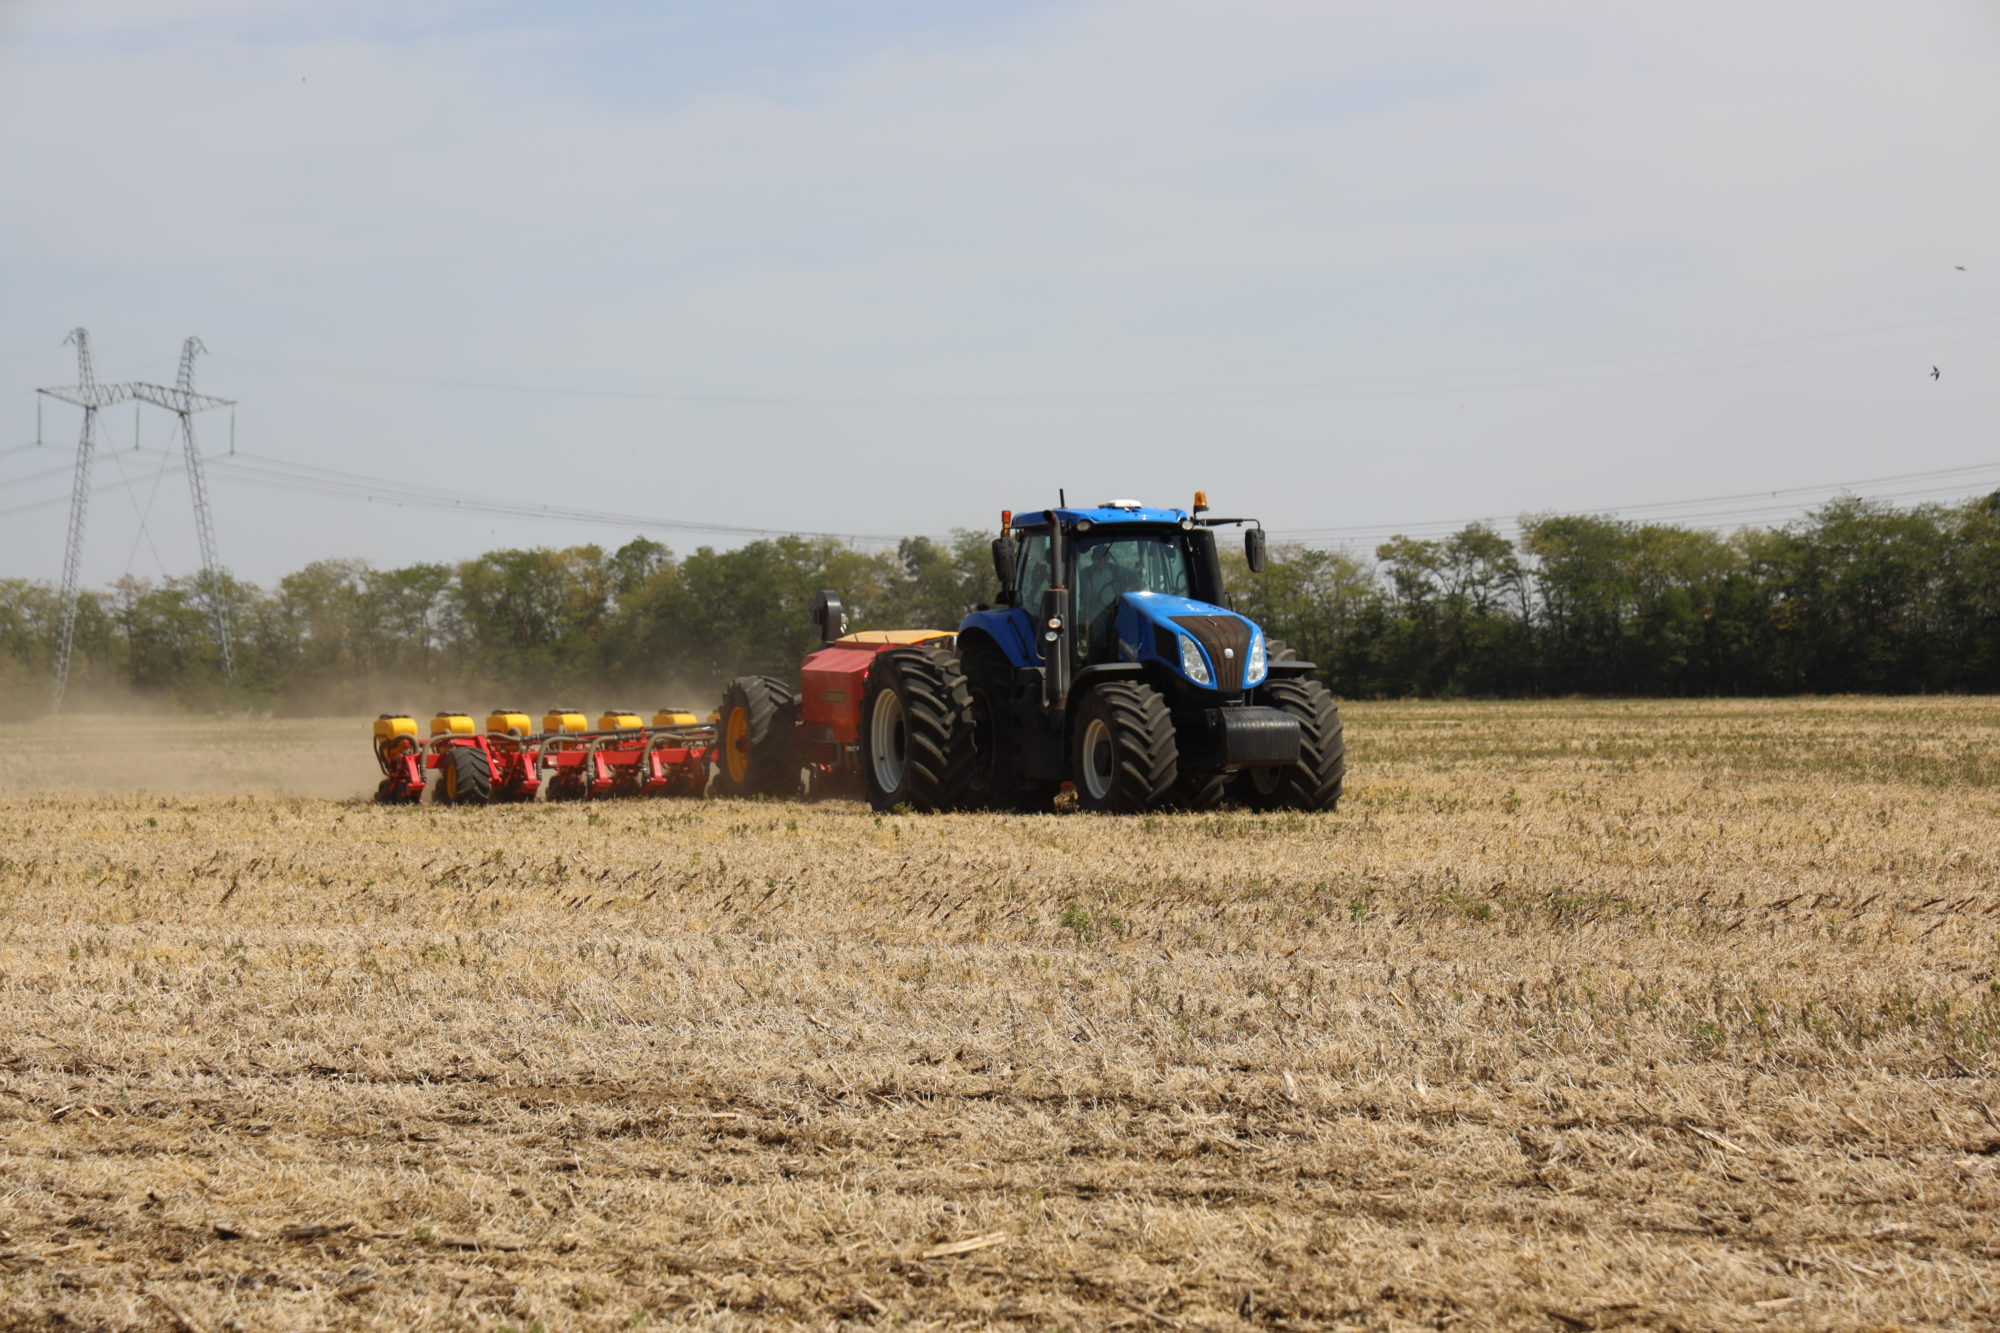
530,619
1318,602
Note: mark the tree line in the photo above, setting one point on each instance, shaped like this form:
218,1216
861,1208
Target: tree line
1858,596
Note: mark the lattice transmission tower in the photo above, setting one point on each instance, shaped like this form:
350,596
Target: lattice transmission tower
182,400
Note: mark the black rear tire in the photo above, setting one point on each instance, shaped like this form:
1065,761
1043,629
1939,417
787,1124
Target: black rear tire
916,730
996,775
1314,782
1123,755
467,777
759,739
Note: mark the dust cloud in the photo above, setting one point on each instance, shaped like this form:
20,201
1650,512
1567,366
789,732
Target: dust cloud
318,747
185,756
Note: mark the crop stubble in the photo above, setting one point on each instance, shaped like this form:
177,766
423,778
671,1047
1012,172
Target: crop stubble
1577,1015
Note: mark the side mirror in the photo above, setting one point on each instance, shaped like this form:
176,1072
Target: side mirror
829,616
1004,557
1253,549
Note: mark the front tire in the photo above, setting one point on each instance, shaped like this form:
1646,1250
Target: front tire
1314,782
759,739
1124,757
916,730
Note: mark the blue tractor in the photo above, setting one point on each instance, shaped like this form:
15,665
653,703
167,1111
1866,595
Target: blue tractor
1110,660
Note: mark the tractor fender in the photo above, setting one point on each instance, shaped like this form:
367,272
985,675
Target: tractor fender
973,637
1010,629
1092,675
1088,679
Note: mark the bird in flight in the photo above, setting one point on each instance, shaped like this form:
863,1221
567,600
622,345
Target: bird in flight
1934,372
1959,267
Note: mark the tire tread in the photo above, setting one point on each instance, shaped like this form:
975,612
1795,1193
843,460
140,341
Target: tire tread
472,776
937,727
1146,755
772,709
1314,782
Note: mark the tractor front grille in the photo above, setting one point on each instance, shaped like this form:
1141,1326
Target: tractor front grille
1226,639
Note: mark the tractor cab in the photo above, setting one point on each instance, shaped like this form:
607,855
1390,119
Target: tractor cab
1141,584
1106,562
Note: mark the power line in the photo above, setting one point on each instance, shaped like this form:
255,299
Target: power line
1733,509
299,478
1360,530
1722,521
331,485
105,489
327,483
1215,393
28,478
1719,520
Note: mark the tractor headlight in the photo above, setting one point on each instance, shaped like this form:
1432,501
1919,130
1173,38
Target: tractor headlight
1255,666
1193,664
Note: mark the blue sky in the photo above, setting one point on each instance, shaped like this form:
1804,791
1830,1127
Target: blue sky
887,268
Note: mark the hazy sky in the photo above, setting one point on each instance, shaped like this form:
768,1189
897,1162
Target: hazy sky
889,267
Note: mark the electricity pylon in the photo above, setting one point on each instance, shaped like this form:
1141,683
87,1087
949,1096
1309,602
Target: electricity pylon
89,395
183,402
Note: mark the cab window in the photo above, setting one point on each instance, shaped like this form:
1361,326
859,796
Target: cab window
1034,571
1111,565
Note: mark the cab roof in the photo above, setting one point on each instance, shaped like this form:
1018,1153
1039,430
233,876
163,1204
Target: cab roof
1101,515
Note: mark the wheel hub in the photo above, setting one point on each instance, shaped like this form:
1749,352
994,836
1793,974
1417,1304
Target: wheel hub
736,744
1097,759
887,741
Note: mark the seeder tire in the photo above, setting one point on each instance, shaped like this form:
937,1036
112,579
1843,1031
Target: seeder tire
1314,782
760,739
916,730
465,777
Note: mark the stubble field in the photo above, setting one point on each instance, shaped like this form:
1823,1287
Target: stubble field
1575,1016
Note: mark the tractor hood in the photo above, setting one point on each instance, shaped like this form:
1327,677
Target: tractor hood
1209,646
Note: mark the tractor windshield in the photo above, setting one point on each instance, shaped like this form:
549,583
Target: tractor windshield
1117,563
